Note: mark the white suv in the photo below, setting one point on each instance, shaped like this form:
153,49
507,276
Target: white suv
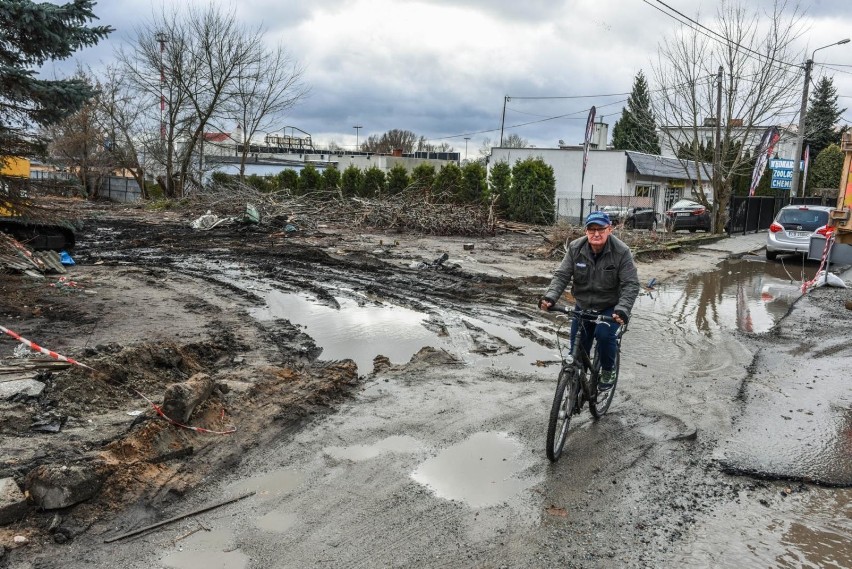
792,229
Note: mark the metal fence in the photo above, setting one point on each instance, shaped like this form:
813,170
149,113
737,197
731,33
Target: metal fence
753,214
120,189
115,188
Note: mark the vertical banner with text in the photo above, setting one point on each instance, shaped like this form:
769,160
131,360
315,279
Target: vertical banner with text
762,153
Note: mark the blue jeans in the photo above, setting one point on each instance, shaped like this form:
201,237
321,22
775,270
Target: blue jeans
604,333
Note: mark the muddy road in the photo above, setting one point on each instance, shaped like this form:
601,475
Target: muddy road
390,410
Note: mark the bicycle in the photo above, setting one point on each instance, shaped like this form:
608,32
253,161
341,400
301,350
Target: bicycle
578,380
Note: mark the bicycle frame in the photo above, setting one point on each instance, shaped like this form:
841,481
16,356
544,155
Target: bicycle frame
575,387
577,356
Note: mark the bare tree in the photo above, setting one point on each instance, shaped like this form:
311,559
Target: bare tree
423,145
515,141
79,142
759,87
390,141
265,89
193,57
122,117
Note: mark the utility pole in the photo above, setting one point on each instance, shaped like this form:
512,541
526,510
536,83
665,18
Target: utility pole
800,136
503,121
717,154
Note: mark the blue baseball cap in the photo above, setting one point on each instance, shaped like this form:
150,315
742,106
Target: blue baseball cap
598,218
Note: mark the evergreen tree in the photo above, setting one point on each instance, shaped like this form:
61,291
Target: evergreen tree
351,181
375,183
533,192
30,35
448,183
500,185
474,183
422,176
309,179
331,179
822,117
637,127
398,179
827,169
288,180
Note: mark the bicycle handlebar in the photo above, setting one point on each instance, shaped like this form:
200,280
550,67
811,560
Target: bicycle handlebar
590,315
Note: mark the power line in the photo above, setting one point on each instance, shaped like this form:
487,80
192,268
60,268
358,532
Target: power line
712,34
573,96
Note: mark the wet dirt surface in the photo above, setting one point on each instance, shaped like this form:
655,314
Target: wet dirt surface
426,457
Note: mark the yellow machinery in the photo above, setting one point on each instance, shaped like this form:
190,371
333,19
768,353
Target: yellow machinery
841,218
23,221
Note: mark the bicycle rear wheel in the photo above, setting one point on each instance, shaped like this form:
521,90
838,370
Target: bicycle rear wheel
600,402
564,401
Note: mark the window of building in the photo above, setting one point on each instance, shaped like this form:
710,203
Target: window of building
646,191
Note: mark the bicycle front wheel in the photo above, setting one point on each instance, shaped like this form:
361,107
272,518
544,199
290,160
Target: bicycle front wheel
600,402
564,401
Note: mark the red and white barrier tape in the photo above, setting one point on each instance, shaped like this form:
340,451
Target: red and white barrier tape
829,241
36,348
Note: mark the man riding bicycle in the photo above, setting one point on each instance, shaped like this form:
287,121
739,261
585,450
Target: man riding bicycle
603,277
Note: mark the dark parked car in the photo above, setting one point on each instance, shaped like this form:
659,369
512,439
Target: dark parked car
641,218
687,214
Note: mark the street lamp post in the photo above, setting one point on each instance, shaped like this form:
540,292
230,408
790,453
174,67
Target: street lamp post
800,136
357,128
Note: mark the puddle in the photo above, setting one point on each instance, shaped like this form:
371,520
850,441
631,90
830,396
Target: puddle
362,329
481,471
747,294
276,522
810,529
207,550
275,483
355,332
356,453
207,560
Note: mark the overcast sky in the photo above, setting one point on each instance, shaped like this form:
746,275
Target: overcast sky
441,68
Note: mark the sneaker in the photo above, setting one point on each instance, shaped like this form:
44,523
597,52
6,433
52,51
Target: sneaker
607,379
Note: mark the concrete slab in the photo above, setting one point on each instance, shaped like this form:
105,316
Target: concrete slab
28,387
738,244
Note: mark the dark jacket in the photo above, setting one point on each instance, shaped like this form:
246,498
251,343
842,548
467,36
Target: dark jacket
611,281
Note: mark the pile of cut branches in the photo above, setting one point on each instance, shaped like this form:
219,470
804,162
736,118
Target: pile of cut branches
412,211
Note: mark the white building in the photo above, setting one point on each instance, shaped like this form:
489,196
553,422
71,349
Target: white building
671,137
613,177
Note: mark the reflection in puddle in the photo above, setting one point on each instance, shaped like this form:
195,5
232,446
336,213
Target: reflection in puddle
401,444
274,483
481,471
353,332
361,332
750,295
810,529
